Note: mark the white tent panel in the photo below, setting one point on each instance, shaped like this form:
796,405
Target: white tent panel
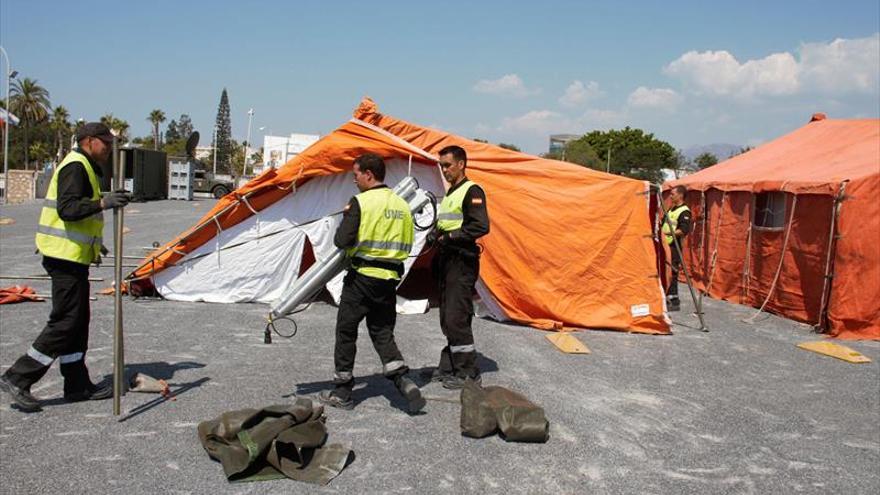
257,258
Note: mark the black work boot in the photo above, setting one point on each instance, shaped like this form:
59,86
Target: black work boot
411,392
339,397
22,398
101,391
673,305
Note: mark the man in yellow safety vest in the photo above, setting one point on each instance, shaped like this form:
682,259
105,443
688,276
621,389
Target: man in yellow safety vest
69,236
462,218
377,231
676,225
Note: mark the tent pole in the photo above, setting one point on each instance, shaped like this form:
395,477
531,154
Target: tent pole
751,319
832,247
698,303
705,215
747,265
715,247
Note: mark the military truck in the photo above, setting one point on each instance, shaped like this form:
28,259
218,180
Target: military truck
204,181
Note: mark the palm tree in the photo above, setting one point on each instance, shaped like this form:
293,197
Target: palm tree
156,117
30,102
118,126
61,127
39,152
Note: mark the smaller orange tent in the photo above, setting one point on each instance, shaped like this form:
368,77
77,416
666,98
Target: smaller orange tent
794,226
568,247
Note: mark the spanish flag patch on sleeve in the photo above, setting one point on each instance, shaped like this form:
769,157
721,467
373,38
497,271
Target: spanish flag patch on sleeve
477,201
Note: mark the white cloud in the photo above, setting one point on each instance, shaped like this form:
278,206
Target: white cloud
577,93
720,73
835,68
537,122
508,85
659,98
842,65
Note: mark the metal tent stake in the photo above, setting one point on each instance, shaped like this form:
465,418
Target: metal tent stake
117,183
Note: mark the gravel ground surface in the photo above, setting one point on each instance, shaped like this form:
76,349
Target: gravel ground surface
737,410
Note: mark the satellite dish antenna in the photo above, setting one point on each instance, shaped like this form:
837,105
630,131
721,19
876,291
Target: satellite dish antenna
191,144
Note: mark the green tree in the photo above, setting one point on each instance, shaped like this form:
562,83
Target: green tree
61,126
176,134
479,140
236,159
633,153
509,146
579,152
223,139
705,160
143,141
184,126
156,118
171,133
39,153
30,102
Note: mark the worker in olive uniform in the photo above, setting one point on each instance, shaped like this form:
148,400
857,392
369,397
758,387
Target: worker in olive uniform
69,236
462,219
377,231
676,225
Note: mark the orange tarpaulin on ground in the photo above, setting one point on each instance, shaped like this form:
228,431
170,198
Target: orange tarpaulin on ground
824,249
568,247
17,294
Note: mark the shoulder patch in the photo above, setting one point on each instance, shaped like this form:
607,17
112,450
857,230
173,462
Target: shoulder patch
477,201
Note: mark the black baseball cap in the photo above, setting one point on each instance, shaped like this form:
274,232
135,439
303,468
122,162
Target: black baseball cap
94,129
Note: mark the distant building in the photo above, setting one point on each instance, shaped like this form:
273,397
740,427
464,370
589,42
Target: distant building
278,150
558,141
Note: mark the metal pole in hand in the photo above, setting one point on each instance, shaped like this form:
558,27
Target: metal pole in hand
118,349
698,304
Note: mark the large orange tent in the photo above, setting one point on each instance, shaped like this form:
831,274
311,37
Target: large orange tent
568,247
794,226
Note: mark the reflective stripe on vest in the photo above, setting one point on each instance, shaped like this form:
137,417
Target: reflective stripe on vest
672,223
385,234
51,203
78,241
450,215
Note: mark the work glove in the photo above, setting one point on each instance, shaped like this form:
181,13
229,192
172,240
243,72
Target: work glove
115,199
438,238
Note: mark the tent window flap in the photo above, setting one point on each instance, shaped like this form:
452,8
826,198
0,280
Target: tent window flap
770,210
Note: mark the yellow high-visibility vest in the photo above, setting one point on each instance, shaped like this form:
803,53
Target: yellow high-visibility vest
450,215
78,241
386,233
670,225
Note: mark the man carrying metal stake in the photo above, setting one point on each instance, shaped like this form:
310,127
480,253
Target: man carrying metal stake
677,224
69,237
377,231
462,219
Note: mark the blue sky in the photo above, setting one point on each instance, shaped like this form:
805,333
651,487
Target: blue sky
691,72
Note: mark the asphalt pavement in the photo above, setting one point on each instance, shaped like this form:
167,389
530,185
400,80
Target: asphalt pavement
739,409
